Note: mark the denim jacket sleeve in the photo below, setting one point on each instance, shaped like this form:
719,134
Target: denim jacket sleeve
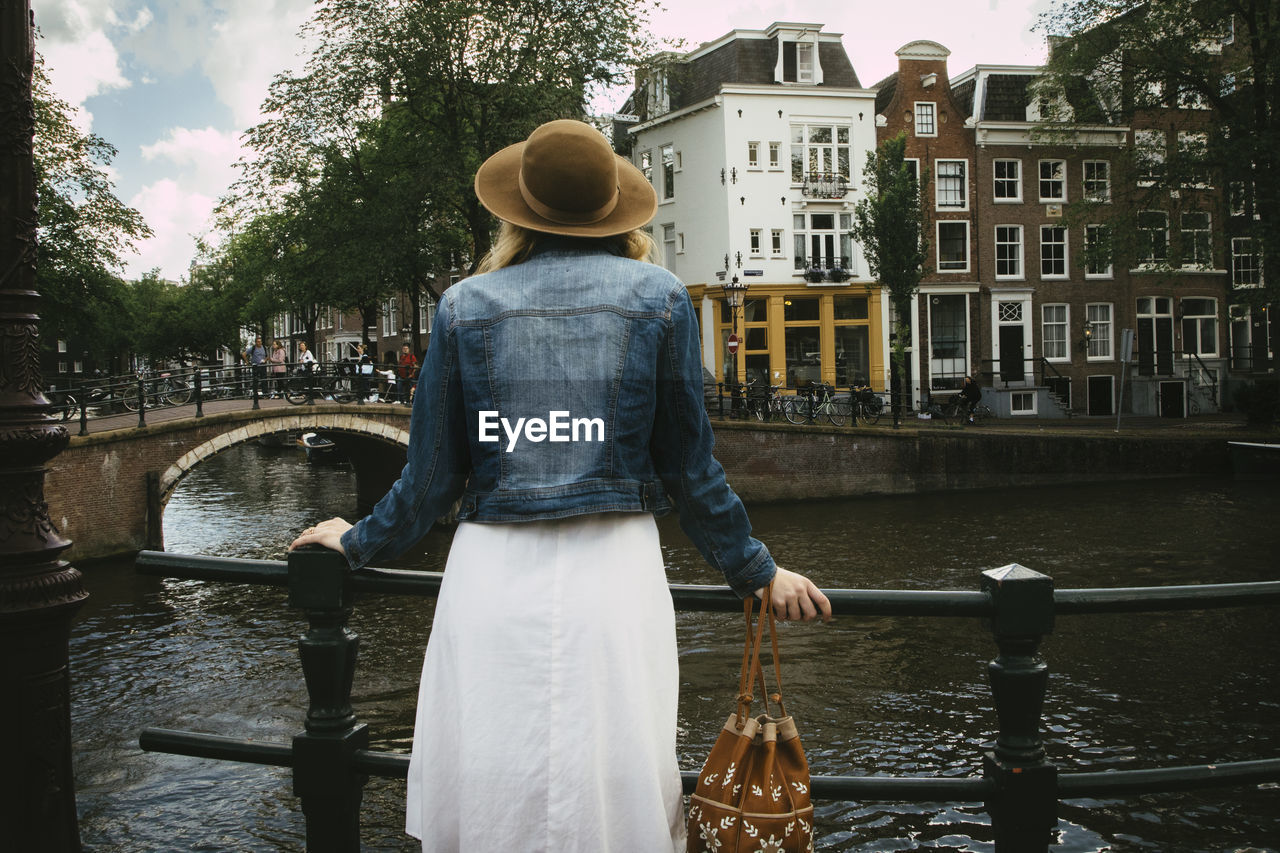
710,513
439,458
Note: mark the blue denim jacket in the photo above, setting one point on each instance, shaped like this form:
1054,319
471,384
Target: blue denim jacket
600,356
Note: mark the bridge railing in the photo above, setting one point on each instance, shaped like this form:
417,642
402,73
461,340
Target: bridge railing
100,397
1017,782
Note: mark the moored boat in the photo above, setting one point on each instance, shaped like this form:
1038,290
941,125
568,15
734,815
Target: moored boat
1255,460
319,449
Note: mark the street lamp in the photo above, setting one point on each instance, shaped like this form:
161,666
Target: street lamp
734,292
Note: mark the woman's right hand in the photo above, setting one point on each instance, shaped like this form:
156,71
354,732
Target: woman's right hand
326,533
796,597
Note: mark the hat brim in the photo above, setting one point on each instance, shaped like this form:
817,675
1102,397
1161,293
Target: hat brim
498,188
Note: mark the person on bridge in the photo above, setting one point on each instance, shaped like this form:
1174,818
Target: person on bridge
278,358
306,360
547,707
256,356
407,372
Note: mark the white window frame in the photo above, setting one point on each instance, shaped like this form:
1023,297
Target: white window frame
1197,238
753,155
1196,143
1152,260
1021,256
1089,271
1061,181
1102,331
1150,152
937,233
1066,253
1061,325
667,160
1022,403
840,239
964,185
62,345
644,162
1101,191
1245,260
777,241
925,115
775,155
1016,181
755,243
1199,320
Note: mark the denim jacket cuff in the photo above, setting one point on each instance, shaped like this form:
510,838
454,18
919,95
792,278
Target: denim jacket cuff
755,574
351,548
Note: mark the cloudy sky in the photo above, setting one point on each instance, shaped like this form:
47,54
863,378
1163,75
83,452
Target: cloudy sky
173,83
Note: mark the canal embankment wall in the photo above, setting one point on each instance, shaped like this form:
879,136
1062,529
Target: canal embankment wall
98,495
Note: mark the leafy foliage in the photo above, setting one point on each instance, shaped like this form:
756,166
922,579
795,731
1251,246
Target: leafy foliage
84,228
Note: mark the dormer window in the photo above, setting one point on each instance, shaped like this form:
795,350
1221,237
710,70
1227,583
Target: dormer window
797,62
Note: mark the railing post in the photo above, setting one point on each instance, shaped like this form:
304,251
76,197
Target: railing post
199,383
142,401
323,780
84,408
1024,807
253,391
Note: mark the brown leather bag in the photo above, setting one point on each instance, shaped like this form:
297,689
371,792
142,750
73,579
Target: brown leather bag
753,792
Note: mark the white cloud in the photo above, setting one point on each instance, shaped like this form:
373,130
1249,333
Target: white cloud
254,41
176,214
207,153
80,57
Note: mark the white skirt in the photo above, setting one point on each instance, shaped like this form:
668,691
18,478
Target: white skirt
547,709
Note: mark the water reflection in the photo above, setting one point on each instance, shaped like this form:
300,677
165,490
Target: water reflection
872,695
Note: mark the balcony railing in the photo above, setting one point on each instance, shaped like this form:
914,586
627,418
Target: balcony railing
825,185
824,268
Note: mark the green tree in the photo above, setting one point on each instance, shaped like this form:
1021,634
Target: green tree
84,229
1165,66
888,224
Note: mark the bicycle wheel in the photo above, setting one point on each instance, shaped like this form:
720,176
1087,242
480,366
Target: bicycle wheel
982,411
131,400
296,390
342,391
64,405
758,408
795,410
871,409
177,392
837,412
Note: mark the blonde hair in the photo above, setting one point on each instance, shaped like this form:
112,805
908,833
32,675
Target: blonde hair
514,244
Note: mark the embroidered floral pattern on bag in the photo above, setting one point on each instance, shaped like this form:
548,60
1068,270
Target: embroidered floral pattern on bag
771,845
708,836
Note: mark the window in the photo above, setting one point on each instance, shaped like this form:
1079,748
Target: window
427,309
953,246
1055,325
668,153
1246,265
817,238
948,340
1200,326
1098,322
1193,154
755,241
1008,251
819,151
802,340
390,318
669,247
1197,244
1149,155
1022,403
646,165
1153,236
775,149
951,185
1053,251
797,62
1097,180
1097,252
679,242
852,341
62,346
78,366
1240,198
1053,180
1008,180
775,242
753,155
926,119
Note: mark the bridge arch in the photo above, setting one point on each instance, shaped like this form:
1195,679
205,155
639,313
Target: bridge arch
253,430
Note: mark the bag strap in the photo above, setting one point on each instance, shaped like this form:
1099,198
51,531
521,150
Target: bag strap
752,672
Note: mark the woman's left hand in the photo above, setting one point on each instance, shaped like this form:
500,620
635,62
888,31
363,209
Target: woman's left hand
326,533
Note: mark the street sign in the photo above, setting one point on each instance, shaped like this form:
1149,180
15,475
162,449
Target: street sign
733,344
753,272
1126,345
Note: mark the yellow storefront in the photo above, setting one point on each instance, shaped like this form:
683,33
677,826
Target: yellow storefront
792,335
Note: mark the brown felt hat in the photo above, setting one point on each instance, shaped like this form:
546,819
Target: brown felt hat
565,179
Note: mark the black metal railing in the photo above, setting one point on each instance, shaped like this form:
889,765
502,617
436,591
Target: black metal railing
828,185
821,268
93,399
1016,780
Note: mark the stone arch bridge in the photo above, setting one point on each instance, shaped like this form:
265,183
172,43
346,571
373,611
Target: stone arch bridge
107,491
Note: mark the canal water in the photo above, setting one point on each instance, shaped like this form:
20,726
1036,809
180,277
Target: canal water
902,696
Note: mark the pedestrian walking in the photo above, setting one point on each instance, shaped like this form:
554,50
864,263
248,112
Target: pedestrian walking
550,679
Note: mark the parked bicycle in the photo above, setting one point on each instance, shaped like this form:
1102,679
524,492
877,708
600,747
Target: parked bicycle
63,405
867,405
165,389
765,403
307,385
814,402
957,410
